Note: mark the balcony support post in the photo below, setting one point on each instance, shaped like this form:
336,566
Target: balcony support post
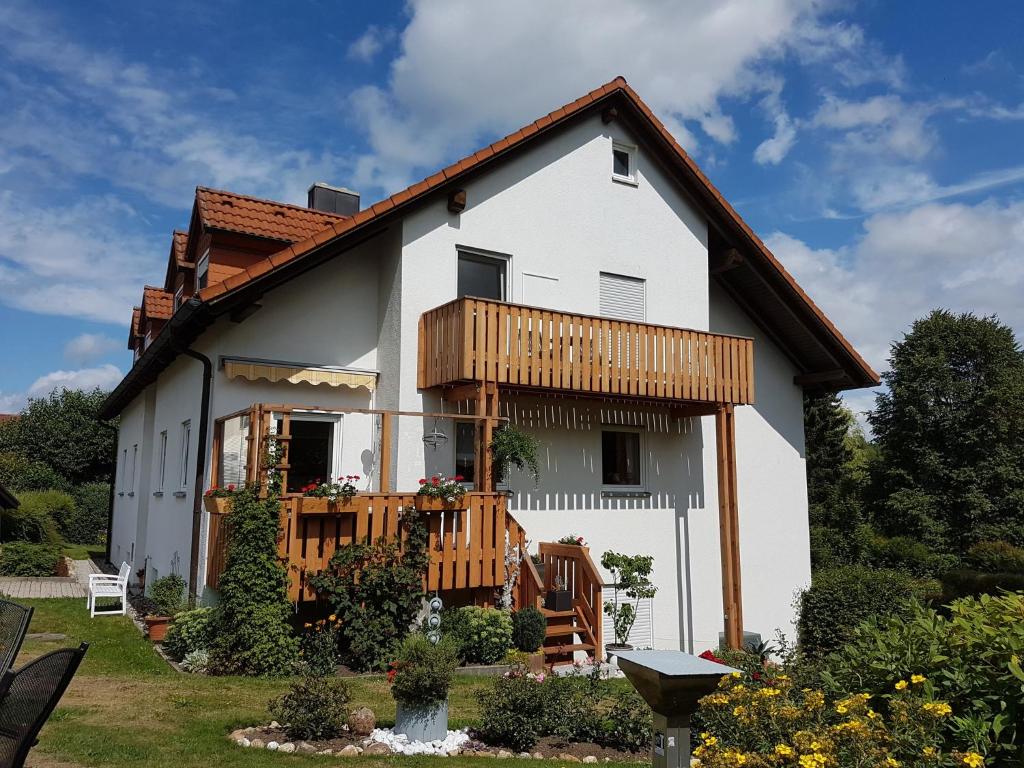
729,526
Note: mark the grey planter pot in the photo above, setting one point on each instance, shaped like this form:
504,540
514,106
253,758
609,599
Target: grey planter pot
422,723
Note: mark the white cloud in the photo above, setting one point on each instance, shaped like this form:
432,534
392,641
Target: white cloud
773,150
517,61
366,47
89,347
106,377
906,263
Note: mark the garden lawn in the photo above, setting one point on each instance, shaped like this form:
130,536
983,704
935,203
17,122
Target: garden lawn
126,706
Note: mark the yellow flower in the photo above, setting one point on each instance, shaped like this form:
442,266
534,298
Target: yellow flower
872,715
892,762
901,685
784,750
929,752
698,750
709,740
737,711
734,756
815,746
917,679
938,708
332,617
973,760
841,709
735,675
768,692
716,699
307,625
815,760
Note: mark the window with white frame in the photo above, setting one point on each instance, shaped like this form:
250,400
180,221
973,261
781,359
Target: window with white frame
186,438
161,478
179,296
131,476
621,452
203,271
623,162
234,451
482,275
123,469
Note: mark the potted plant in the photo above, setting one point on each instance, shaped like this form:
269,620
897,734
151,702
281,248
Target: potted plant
559,598
420,678
511,447
332,496
539,565
572,540
216,500
167,597
440,492
631,578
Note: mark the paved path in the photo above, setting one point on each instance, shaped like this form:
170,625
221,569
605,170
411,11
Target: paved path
50,586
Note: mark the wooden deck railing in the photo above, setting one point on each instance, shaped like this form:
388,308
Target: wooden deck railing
478,340
574,568
466,543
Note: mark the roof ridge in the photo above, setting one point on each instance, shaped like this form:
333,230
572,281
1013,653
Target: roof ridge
268,201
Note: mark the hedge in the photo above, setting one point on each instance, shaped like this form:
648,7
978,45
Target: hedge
36,518
92,509
20,558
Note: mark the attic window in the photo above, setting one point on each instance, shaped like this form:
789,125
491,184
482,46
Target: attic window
623,163
203,271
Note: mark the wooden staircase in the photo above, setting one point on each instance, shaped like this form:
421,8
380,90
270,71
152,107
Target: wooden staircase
578,629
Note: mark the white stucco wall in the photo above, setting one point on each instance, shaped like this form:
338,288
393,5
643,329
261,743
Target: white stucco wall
126,507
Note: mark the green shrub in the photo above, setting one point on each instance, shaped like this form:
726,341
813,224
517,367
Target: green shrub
20,558
970,659
38,517
483,635
572,707
313,708
378,590
511,712
901,553
529,627
167,594
965,583
995,557
253,635
92,511
841,598
18,473
189,632
422,673
318,646
629,724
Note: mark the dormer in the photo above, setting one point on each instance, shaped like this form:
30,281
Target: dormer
157,308
134,335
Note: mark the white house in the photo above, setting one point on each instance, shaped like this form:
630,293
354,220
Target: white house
581,278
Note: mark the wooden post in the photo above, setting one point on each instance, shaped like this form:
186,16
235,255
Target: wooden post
385,453
729,527
491,406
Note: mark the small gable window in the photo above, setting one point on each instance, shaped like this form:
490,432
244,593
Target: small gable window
203,271
623,162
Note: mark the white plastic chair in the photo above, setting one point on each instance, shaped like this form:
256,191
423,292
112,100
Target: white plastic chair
108,585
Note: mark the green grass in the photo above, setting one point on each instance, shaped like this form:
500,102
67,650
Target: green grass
82,551
126,706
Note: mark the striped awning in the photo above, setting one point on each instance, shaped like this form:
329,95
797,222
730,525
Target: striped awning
296,374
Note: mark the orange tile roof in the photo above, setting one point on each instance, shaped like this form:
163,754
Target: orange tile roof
179,245
342,226
133,332
157,303
264,218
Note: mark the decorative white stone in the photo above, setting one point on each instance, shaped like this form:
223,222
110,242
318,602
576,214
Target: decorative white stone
400,744
589,759
504,754
286,747
274,724
349,750
242,741
272,746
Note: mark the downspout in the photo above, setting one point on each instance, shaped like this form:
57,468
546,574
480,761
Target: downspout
200,479
110,501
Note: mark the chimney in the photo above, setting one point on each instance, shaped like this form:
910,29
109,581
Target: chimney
324,197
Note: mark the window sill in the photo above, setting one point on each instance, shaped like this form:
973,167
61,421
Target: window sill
131,494
120,493
180,494
636,494
625,180
158,494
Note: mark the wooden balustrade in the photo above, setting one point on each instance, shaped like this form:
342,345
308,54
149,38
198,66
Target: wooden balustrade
572,566
490,341
467,542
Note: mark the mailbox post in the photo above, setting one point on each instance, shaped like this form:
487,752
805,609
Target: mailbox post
672,682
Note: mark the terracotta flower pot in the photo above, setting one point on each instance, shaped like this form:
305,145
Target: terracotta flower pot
157,627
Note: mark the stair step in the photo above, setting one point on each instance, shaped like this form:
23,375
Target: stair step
553,650
557,614
568,629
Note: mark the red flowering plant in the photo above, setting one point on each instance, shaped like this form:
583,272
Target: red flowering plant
450,489
573,540
216,492
332,490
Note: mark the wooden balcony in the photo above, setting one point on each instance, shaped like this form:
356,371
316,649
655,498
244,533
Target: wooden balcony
477,340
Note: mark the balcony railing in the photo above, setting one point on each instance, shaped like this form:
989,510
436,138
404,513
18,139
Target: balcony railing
470,340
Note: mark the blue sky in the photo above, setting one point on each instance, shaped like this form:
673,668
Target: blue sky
875,146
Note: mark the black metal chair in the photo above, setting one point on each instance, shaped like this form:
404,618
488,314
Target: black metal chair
14,621
28,696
